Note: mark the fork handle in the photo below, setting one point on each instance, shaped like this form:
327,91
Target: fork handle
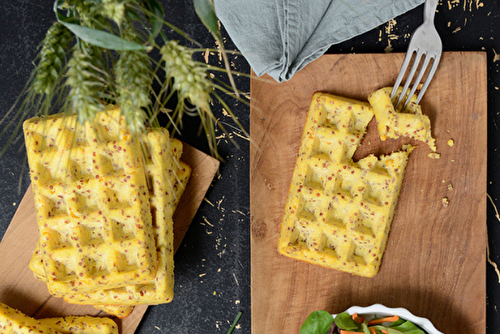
429,10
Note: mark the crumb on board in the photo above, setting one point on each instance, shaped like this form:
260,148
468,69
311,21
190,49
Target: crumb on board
445,201
451,142
434,155
450,186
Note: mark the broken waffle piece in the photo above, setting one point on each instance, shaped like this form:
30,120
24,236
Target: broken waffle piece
409,123
343,125
338,212
92,203
82,325
13,321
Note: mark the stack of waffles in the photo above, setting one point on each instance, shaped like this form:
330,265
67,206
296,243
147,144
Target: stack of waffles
339,212
13,321
104,203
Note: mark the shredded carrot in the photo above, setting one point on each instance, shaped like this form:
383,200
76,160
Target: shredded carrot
357,318
384,331
343,331
372,330
382,320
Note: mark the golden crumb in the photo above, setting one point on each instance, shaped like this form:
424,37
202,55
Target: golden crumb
450,186
445,201
434,155
451,143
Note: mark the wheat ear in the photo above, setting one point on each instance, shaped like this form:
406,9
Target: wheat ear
52,58
133,81
85,83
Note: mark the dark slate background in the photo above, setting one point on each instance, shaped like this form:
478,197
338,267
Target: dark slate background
213,263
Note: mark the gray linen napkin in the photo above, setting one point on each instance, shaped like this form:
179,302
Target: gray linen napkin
280,37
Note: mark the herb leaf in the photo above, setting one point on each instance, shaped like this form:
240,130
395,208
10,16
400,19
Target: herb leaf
206,13
318,322
407,327
96,37
344,321
102,39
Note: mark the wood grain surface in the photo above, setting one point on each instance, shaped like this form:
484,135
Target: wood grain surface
20,289
435,260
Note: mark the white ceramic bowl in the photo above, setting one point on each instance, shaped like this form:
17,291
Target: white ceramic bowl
380,310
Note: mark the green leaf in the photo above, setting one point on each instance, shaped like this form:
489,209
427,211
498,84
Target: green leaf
156,19
407,327
344,321
95,37
318,322
206,13
102,39
397,322
365,328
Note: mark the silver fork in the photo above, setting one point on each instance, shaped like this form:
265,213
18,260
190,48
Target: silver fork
425,43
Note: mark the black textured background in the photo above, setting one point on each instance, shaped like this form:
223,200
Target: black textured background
213,263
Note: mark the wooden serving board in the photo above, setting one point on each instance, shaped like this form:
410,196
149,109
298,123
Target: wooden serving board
435,260
19,288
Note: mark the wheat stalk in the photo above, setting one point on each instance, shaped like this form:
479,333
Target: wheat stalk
190,78
85,82
111,63
133,82
52,58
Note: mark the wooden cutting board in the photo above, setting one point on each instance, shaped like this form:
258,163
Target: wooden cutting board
435,260
19,288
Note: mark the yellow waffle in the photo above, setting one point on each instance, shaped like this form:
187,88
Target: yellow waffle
159,290
82,325
92,203
13,321
121,312
168,177
409,123
343,124
338,212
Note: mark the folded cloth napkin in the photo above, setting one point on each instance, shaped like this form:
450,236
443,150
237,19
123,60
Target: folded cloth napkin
279,37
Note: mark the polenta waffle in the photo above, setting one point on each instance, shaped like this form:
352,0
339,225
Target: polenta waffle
13,321
409,123
92,203
81,325
121,312
338,212
168,177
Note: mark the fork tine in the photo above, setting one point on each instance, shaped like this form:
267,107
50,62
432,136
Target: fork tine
416,82
402,72
429,77
409,79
